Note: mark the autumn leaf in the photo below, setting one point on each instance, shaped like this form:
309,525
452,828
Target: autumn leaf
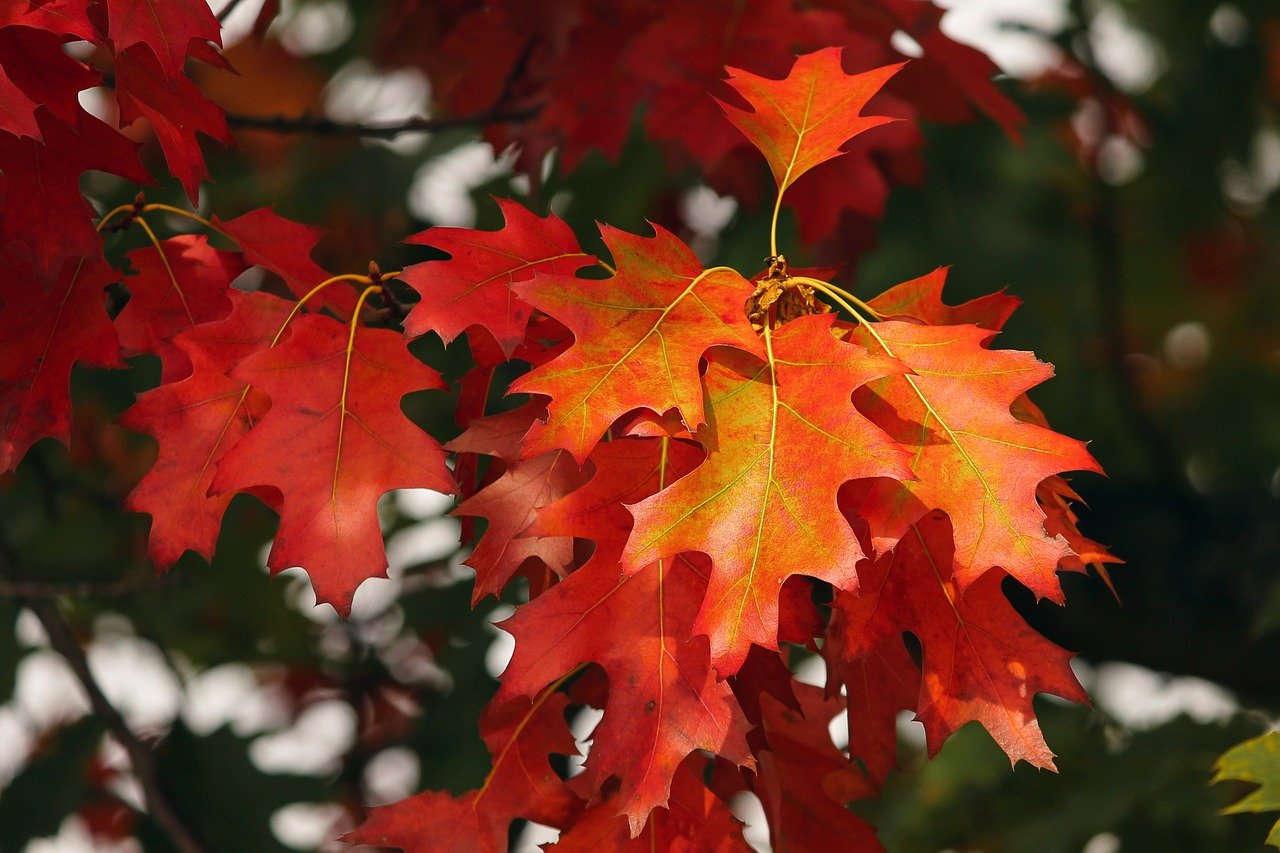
759,506
981,660
177,111
1256,760
195,421
183,283
333,442
520,734
284,247
694,821
473,286
164,27
638,338
804,781
970,456
42,188
45,333
804,119
36,72
510,503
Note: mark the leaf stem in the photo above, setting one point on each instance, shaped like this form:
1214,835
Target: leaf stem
358,278
112,214
194,217
773,226
836,292
168,268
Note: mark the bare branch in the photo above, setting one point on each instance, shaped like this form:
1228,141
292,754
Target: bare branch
141,758
83,589
321,126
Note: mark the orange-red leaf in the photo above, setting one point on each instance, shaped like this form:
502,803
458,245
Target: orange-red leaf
638,338
333,442
510,503
804,119
473,287
195,422
761,506
981,660
520,735
805,782
694,821
970,456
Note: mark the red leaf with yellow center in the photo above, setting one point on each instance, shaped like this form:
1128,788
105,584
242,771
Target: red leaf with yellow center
970,456
639,337
782,436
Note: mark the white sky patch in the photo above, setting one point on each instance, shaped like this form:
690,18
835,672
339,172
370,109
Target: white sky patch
1143,699
358,92
978,23
441,190
583,726
307,826
503,646
231,695
73,837
1128,56
747,808
314,745
307,29
391,775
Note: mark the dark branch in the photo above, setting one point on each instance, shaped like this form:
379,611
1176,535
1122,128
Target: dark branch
82,589
141,758
321,126
227,10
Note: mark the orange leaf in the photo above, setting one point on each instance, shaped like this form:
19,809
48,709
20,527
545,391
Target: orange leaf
763,504
802,120
638,338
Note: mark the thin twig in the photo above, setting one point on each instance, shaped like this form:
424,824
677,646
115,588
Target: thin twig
321,126
141,758
227,10
83,589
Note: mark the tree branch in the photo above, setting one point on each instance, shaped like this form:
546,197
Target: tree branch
82,589
321,126
141,758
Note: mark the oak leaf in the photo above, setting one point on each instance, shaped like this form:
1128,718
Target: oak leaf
638,338
970,456
473,286
981,661
183,283
804,119
45,333
164,27
758,506
195,421
520,735
333,442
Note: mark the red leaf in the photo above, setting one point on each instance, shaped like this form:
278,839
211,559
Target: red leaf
973,458
165,27
45,333
195,422
333,442
473,287
664,700
804,119
521,783
176,110
804,781
185,283
638,338
759,507
511,502
284,247
695,821
981,660
43,209
36,71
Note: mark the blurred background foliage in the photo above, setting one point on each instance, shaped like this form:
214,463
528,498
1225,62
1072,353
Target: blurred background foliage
1137,220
